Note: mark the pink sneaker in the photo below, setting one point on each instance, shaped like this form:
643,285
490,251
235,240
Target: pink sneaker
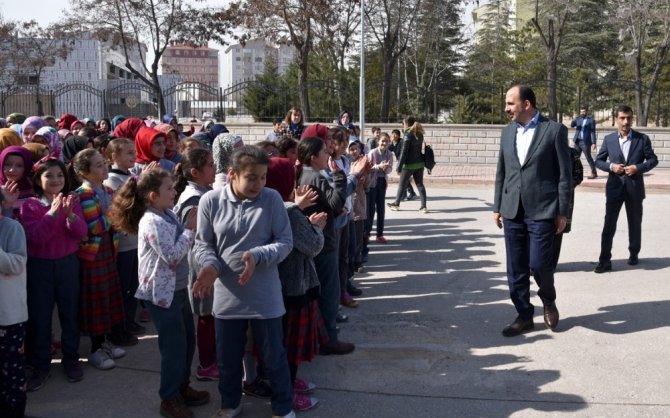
381,239
207,373
303,403
302,387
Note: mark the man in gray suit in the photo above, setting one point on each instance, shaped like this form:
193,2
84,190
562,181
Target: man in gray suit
532,196
626,155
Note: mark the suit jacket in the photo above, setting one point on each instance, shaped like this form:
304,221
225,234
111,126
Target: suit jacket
544,182
641,154
589,129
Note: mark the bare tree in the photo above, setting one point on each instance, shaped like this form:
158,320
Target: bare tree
552,37
391,22
33,49
291,22
644,30
335,35
131,25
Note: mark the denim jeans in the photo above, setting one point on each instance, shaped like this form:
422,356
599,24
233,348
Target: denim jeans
176,342
268,338
326,264
52,282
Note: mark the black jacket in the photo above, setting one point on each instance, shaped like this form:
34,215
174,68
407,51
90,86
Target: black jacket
411,150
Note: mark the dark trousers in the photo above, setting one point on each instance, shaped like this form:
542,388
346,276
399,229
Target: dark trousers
206,341
127,265
529,245
376,198
634,215
403,183
176,342
343,255
231,337
326,264
586,149
12,369
50,283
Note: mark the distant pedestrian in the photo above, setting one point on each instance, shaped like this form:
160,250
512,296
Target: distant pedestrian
585,137
410,163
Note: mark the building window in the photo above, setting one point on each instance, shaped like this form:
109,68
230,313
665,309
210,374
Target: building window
177,52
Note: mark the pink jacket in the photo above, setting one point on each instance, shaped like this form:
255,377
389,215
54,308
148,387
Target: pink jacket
51,237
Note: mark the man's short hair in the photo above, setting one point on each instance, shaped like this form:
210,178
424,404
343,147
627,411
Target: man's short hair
623,109
527,93
584,107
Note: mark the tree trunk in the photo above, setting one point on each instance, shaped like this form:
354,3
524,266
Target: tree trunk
159,95
551,80
303,56
641,119
387,79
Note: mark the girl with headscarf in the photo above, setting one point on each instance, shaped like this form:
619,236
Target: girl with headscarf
128,128
66,120
32,125
3,123
116,120
52,140
73,145
16,166
222,150
172,142
9,137
150,148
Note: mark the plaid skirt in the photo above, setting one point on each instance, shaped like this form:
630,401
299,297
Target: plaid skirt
304,331
101,297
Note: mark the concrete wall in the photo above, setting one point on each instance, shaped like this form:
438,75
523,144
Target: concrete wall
469,144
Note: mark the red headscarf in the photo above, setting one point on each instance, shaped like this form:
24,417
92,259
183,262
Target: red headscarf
128,128
144,138
66,121
281,176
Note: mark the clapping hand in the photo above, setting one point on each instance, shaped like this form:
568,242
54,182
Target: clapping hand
10,191
68,205
249,267
56,204
204,282
319,219
305,196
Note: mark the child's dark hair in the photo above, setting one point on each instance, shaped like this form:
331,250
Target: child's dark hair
132,199
196,158
44,166
186,141
339,134
309,147
80,164
285,144
248,155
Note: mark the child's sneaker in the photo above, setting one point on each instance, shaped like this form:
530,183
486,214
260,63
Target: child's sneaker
303,403
302,387
100,360
289,415
423,209
113,351
348,301
393,206
207,373
258,389
228,413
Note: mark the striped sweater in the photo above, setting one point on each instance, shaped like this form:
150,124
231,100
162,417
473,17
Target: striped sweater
97,222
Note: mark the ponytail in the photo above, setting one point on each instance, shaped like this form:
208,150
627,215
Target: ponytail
196,158
132,200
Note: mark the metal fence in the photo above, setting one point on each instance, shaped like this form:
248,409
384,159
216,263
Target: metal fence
458,101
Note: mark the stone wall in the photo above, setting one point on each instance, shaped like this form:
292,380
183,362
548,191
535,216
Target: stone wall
469,144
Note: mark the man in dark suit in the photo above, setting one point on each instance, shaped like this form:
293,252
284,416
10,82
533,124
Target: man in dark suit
630,155
532,196
585,137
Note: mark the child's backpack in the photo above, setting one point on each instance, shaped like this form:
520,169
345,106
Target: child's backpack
428,157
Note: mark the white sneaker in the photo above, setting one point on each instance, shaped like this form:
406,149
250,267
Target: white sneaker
100,360
228,413
289,415
113,351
